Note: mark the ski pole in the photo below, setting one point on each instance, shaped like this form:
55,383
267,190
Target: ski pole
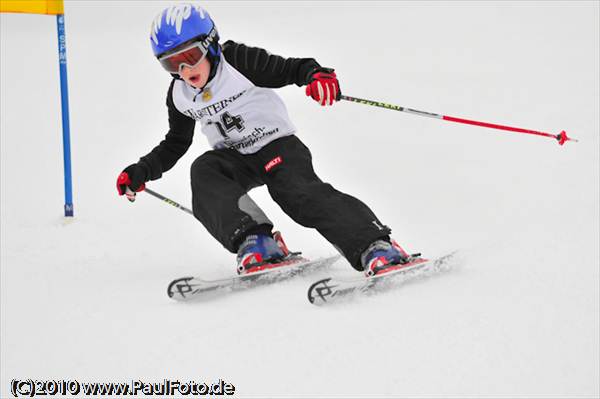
167,200
560,137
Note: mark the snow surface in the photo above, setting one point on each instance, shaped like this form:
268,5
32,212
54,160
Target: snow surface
86,299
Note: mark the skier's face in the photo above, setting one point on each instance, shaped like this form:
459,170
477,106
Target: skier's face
196,76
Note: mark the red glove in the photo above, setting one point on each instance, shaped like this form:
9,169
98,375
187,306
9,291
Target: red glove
324,86
131,180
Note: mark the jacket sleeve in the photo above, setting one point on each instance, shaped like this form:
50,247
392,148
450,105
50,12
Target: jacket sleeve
177,141
268,70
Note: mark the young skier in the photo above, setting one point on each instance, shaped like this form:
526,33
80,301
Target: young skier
229,90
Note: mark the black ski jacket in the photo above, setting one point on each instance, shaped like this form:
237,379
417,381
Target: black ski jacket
257,65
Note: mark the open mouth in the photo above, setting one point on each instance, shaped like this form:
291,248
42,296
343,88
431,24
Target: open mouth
194,78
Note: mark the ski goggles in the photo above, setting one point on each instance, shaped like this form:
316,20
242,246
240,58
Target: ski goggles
189,56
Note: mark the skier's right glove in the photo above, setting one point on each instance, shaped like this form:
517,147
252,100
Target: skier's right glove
132,180
323,86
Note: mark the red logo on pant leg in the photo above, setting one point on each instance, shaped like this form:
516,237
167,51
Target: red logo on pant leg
272,163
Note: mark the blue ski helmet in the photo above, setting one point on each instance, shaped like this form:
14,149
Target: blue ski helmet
181,24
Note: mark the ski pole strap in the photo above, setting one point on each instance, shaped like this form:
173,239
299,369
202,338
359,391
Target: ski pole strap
167,200
561,137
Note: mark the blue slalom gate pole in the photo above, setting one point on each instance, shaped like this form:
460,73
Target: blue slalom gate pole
64,98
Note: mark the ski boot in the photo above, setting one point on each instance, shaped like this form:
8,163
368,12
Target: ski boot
383,256
258,251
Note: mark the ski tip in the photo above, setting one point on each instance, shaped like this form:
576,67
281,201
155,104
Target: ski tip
178,288
318,291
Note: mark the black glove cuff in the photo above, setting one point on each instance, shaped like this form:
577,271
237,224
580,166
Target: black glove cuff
151,165
309,76
145,168
138,174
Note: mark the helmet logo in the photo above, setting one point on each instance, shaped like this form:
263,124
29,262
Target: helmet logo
174,15
209,39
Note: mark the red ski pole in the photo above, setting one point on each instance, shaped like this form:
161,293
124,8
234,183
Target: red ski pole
560,137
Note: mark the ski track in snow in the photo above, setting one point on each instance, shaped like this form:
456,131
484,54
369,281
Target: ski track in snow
86,299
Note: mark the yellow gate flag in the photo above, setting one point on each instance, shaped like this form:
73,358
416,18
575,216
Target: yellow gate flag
50,7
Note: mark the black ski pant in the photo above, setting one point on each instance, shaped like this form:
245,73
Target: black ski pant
222,178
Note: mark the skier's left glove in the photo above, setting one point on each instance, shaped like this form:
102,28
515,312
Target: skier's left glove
132,180
323,86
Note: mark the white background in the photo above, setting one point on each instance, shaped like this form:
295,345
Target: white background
87,299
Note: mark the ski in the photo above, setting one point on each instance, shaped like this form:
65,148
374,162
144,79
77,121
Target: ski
332,290
187,288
